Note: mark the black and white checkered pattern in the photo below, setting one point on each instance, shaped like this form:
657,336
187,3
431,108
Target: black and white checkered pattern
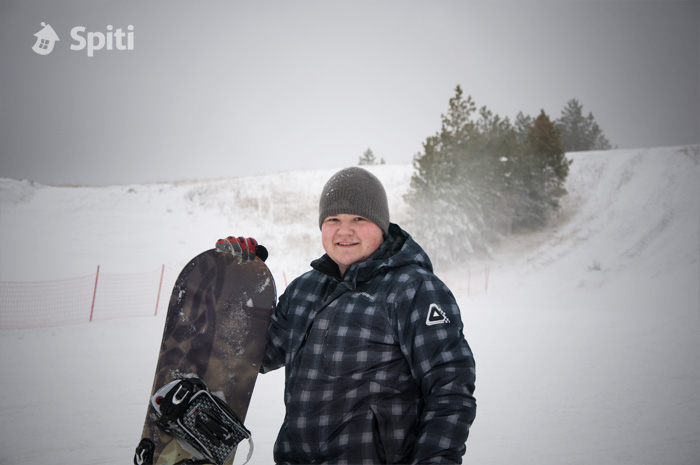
368,380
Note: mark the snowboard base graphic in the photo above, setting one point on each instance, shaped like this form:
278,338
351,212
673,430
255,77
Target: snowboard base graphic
210,356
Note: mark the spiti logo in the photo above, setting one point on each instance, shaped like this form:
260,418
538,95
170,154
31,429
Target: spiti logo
91,41
46,38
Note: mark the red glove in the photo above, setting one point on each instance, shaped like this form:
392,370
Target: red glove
244,248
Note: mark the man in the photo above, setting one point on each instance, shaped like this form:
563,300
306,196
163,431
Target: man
377,366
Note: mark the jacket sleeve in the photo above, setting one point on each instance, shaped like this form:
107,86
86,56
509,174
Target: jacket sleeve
430,332
274,356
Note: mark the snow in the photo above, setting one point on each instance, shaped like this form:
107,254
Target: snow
587,342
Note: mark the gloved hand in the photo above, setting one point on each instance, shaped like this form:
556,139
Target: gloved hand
244,248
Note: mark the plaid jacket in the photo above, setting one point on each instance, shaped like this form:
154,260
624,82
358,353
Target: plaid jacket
377,366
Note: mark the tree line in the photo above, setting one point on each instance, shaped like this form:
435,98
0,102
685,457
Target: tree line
482,177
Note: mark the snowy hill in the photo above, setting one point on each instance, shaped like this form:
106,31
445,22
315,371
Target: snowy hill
587,342
139,227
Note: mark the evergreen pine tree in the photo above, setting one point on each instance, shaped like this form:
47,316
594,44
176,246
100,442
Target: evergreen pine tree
439,194
580,133
456,189
572,126
522,126
538,175
596,137
368,158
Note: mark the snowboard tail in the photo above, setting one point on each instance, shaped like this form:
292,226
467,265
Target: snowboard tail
210,356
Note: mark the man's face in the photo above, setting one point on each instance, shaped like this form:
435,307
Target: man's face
349,239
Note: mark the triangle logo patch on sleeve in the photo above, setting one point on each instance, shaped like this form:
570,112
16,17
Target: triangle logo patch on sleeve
436,316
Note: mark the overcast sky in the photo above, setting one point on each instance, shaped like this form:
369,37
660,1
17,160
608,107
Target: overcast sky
219,89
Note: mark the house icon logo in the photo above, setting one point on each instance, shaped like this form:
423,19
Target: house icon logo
46,38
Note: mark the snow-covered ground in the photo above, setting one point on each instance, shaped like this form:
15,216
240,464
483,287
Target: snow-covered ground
587,343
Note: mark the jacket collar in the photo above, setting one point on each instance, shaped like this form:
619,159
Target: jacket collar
398,249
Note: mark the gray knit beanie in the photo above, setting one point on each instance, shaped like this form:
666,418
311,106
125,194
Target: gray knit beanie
355,191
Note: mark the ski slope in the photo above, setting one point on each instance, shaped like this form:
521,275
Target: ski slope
587,343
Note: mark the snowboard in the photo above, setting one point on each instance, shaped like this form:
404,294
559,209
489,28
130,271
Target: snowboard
210,356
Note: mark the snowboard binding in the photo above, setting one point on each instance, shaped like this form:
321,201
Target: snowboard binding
187,410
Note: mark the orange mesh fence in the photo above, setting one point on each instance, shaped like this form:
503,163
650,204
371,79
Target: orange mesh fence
47,303
33,304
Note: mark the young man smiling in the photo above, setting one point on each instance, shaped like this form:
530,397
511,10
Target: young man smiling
348,239
377,369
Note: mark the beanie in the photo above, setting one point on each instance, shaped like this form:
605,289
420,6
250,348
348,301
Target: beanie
355,191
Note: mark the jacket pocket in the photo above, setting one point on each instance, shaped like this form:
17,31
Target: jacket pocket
395,431
359,340
380,434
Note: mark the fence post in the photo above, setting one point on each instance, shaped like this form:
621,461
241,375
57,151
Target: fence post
160,286
94,293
